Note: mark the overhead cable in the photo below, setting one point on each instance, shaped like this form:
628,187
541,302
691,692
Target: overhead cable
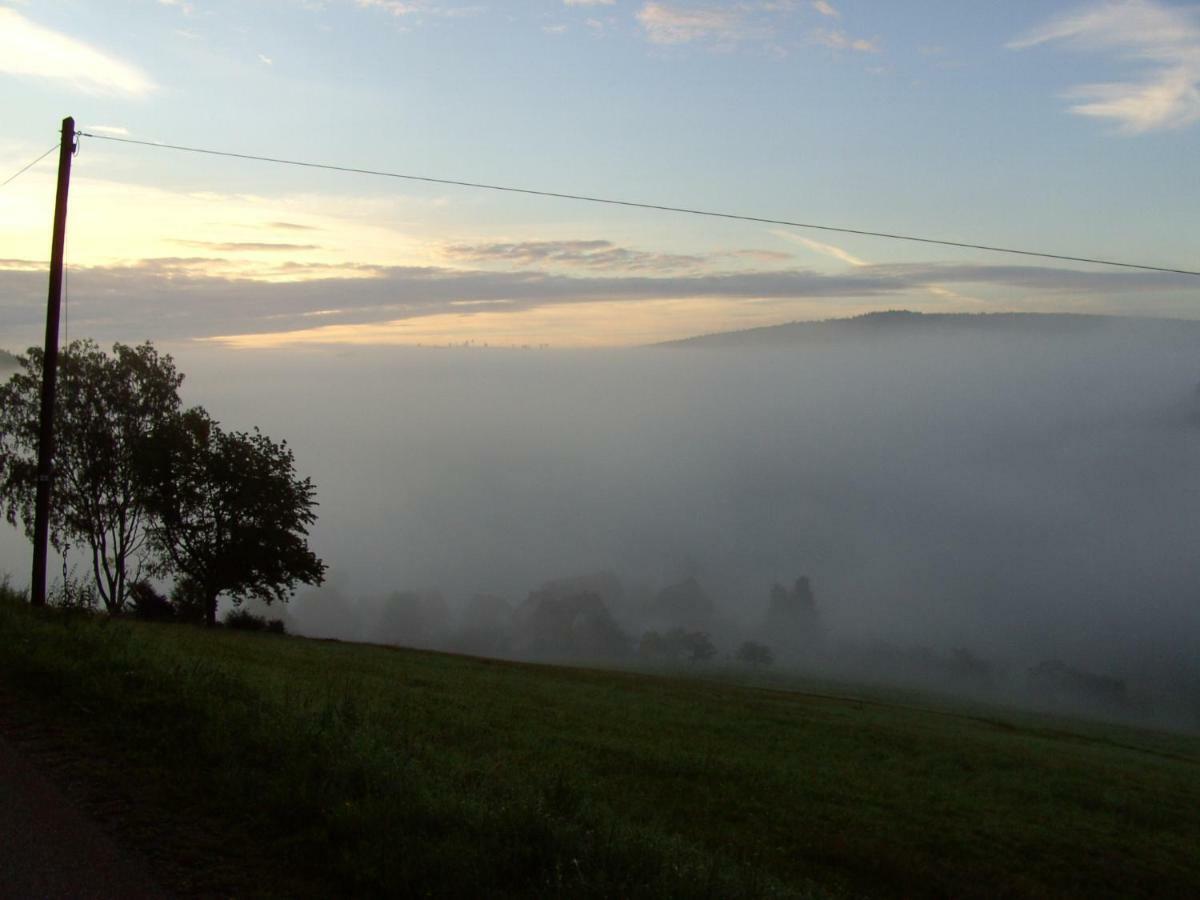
641,205
25,169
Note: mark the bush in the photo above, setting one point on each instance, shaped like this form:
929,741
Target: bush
9,594
188,601
74,594
755,654
149,605
676,644
244,620
276,626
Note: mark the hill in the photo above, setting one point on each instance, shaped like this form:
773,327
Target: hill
339,769
897,323
8,362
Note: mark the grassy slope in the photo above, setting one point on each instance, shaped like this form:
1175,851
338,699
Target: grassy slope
388,771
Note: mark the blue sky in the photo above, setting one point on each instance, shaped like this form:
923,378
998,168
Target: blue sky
1066,127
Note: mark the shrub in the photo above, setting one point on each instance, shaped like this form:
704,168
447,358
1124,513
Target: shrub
149,605
74,594
245,620
8,593
755,654
695,646
276,626
188,601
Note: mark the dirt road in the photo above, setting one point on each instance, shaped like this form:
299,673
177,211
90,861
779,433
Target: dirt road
50,848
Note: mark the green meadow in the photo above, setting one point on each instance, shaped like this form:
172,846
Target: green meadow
297,766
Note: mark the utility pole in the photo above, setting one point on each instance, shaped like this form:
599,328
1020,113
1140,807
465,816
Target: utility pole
45,467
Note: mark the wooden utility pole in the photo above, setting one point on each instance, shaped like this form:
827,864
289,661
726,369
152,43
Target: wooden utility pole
45,467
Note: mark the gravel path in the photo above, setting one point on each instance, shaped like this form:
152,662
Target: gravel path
50,848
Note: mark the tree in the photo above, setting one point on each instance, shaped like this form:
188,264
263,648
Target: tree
107,405
792,617
229,514
699,647
755,654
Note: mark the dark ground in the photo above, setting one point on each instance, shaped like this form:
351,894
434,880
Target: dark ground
50,846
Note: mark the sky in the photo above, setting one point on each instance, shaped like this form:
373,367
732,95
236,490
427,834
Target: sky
1071,128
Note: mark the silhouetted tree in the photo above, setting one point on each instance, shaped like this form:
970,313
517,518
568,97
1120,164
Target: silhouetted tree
700,647
792,614
551,623
149,604
684,605
676,644
107,405
755,654
228,512
412,618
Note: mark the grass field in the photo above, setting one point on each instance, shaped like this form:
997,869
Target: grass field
325,767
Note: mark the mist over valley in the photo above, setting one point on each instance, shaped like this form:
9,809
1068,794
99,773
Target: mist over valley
968,497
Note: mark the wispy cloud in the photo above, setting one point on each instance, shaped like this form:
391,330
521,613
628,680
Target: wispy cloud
835,39
748,22
196,297
588,2
840,253
115,130
600,255
404,8
1165,39
181,5
668,24
29,50
594,254
822,248
246,246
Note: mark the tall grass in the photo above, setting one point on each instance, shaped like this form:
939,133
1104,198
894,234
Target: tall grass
372,771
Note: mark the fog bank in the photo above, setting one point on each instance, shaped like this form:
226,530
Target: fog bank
1022,496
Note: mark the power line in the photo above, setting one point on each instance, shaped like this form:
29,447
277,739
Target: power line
640,205
22,171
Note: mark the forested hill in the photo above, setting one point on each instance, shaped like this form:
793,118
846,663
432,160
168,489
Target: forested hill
7,361
878,325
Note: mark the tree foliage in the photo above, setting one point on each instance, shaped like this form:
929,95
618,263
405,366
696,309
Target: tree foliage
676,644
107,406
755,654
229,514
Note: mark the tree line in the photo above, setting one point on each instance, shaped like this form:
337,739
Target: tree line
152,489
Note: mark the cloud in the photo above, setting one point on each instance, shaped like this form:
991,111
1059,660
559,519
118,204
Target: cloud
594,254
177,297
196,297
824,8
29,50
839,40
402,8
1164,39
599,255
1041,278
822,248
588,2
266,60
115,130
667,24
246,246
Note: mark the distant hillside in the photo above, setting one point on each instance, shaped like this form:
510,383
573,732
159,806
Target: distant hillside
891,323
7,361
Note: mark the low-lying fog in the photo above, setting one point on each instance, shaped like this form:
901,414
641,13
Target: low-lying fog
1020,497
